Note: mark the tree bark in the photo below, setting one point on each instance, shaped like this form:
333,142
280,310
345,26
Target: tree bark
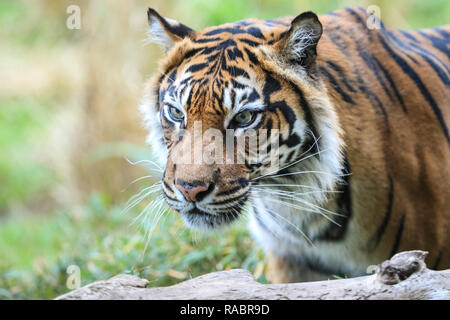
404,276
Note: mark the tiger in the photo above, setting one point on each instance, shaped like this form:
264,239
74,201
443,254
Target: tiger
362,114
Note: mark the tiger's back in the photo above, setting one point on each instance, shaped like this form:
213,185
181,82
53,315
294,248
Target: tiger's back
391,89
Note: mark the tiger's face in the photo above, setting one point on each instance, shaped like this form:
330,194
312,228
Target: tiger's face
208,191
235,82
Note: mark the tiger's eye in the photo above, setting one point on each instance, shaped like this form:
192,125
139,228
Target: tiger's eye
244,118
176,114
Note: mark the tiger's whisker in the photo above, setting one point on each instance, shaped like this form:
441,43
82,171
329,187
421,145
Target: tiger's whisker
291,224
293,193
145,161
136,199
293,197
310,171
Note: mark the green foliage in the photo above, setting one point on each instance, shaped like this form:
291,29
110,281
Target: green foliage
22,177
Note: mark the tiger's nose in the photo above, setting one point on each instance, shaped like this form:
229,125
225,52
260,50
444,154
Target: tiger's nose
193,192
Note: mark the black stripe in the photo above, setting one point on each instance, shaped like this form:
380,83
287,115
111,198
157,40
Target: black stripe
341,74
400,45
167,186
408,35
398,237
188,55
206,40
356,16
336,86
228,192
374,100
333,13
438,261
250,42
255,32
376,238
253,96
387,75
319,266
158,92
237,85
197,67
340,42
363,87
287,111
308,116
251,56
237,72
234,53
369,60
271,85
441,44
257,216
290,156
219,47
275,21
418,82
366,89
442,32
172,76
426,55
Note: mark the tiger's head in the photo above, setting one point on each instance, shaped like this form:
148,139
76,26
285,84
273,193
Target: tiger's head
249,79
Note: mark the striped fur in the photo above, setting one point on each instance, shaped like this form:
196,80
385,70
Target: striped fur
364,140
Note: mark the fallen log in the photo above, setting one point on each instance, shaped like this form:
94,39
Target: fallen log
404,276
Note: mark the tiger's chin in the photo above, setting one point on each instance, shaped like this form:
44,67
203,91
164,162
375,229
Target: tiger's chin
200,220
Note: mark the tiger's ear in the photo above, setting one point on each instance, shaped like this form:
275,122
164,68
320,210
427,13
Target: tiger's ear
166,31
298,44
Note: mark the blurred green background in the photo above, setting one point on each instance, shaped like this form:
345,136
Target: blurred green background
69,120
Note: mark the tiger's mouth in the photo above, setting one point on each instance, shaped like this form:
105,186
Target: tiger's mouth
206,209
204,217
